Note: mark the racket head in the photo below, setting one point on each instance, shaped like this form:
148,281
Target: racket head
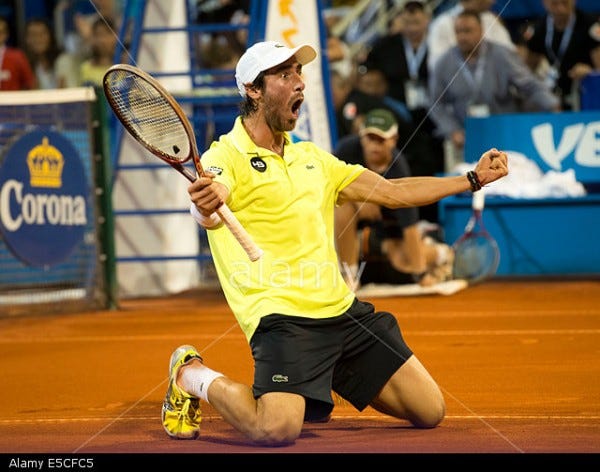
476,257
150,113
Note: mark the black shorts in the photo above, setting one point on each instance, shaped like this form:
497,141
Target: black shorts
353,354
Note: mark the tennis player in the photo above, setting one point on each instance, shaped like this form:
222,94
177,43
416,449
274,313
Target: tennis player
308,333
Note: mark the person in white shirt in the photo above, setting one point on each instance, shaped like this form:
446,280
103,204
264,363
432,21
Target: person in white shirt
441,35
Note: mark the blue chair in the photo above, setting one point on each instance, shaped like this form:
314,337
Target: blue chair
590,92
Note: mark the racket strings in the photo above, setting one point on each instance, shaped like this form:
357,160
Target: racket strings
475,258
148,114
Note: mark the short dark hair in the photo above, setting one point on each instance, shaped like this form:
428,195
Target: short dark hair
470,14
413,6
248,106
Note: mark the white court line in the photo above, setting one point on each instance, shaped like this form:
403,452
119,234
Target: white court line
166,337
21,421
504,313
125,338
503,332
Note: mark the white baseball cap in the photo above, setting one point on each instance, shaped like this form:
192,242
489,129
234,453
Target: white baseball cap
264,55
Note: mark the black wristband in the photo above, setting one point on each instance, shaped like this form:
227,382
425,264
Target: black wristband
474,181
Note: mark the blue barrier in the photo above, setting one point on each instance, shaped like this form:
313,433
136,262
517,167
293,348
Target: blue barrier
590,92
554,141
538,236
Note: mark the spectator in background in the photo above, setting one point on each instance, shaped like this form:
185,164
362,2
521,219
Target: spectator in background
104,43
402,57
341,86
478,77
15,70
74,20
52,67
219,58
228,12
540,69
370,91
569,40
338,52
376,244
441,32
372,81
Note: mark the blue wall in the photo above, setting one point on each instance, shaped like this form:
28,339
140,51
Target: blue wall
531,8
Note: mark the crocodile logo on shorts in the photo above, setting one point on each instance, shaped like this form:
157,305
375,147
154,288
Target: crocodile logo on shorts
279,378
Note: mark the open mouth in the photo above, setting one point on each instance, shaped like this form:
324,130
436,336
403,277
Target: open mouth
296,107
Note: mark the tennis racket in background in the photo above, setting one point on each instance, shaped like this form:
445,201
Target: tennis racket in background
476,252
154,118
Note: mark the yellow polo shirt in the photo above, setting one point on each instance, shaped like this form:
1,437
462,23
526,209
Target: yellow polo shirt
286,204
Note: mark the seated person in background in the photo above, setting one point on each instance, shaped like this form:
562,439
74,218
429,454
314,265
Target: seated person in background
376,244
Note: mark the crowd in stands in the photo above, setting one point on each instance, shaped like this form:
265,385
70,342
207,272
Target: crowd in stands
464,62
72,47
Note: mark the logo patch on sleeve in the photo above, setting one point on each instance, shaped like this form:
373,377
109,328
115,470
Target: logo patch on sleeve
214,170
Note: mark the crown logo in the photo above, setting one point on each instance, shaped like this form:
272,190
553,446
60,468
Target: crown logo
45,164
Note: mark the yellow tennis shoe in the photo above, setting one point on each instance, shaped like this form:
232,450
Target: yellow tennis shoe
181,414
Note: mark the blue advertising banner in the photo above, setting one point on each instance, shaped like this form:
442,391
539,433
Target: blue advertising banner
554,141
43,198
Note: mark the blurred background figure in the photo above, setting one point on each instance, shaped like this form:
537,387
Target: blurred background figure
442,36
15,70
53,68
104,43
479,78
370,91
338,53
341,86
376,244
224,12
74,20
569,40
401,55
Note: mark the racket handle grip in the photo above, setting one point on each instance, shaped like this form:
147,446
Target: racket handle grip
238,231
478,200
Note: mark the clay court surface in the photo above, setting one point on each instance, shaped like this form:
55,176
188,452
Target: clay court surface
518,362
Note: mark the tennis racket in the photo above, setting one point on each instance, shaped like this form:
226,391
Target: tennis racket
154,118
476,253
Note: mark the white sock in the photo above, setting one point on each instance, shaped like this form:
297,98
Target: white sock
196,381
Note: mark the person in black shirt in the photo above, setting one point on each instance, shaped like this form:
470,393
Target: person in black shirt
570,40
403,58
376,244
